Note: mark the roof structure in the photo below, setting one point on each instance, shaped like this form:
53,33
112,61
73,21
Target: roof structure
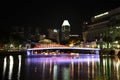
65,23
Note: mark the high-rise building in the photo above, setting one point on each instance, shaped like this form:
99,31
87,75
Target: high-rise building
65,31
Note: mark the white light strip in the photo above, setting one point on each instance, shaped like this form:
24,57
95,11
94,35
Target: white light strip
63,48
103,14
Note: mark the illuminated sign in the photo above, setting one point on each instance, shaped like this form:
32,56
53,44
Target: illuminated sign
103,14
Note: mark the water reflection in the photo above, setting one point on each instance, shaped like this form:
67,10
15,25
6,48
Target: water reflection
4,67
66,73
11,67
19,66
109,68
55,69
60,68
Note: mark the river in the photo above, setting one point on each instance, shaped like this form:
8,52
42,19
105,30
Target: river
88,67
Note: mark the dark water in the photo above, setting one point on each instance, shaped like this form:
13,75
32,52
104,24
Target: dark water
60,68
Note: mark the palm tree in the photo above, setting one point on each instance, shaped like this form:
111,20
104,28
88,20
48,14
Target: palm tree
108,40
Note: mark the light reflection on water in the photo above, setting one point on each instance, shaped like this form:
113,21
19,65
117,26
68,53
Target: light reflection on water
9,66
11,62
4,67
19,67
63,68
60,68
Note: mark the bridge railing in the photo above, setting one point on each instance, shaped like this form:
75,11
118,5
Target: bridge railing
62,50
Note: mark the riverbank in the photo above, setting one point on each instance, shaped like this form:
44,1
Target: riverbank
110,52
24,52
5,53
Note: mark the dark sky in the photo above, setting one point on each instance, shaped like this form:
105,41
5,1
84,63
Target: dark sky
51,14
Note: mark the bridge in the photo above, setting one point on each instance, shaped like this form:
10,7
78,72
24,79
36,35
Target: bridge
61,50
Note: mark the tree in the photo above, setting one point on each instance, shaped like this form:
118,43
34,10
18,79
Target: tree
17,39
108,40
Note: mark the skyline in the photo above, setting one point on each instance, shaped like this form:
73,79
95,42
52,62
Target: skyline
52,15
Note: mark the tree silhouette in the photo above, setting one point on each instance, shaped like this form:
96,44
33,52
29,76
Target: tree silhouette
108,40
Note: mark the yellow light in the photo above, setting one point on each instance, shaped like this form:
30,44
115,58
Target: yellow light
71,44
36,52
118,46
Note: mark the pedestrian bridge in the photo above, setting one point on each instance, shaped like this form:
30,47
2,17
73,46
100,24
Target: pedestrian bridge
61,50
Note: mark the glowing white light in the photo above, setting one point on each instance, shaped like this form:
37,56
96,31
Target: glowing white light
55,30
116,42
4,67
10,67
63,48
65,23
19,67
55,72
100,15
11,45
28,53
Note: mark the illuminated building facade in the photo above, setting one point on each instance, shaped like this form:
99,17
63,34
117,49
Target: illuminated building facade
53,34
103,25
65,30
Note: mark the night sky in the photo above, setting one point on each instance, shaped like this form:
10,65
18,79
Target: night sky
51,14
